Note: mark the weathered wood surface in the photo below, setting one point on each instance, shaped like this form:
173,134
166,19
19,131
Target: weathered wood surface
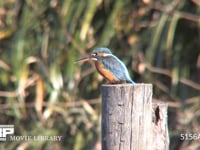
127,117
160,126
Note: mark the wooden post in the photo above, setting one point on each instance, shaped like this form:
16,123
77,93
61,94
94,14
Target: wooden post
127,117
130,121
160,126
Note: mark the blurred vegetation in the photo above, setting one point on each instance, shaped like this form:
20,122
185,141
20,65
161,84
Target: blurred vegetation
42,91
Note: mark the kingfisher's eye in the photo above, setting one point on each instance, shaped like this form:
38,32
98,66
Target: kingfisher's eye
94,54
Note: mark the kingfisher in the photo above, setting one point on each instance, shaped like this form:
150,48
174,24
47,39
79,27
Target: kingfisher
109,66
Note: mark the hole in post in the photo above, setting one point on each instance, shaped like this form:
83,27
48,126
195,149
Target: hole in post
157,115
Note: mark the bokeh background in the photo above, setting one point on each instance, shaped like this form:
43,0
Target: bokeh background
44,92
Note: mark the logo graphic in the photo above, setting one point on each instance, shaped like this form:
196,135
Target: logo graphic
7,134
6,130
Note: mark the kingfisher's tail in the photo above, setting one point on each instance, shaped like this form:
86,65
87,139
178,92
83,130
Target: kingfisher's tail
131,81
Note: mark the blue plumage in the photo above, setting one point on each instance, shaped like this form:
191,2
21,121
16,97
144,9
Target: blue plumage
113,64
109,66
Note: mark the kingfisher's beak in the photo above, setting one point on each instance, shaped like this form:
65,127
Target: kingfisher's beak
86,58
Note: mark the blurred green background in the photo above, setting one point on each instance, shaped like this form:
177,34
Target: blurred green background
43,92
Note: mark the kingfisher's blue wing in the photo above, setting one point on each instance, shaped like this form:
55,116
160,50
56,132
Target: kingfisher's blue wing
117,67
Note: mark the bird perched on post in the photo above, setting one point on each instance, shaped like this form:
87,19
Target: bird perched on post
109,66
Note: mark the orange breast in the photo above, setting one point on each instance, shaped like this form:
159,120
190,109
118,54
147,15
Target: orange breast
105,73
